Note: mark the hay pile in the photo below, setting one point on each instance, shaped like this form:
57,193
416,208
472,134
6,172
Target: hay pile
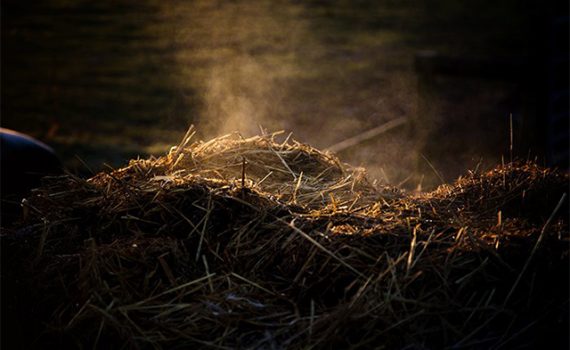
251,243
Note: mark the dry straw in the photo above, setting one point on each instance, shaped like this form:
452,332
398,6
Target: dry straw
256,243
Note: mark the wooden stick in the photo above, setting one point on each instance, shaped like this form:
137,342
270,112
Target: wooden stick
243,173
367,135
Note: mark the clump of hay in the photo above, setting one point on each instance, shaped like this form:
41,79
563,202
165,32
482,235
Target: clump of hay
290,171
253,243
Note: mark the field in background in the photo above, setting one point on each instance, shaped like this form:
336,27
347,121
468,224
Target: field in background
108,81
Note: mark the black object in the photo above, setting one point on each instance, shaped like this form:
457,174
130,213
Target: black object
23,163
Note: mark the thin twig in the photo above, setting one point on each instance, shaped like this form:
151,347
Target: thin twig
367,135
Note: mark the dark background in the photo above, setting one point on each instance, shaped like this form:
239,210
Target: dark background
107,81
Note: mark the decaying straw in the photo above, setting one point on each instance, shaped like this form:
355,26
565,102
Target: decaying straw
255,243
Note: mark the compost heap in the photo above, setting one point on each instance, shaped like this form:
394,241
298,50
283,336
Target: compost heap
254,243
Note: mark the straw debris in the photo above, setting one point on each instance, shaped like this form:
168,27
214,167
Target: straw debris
254,243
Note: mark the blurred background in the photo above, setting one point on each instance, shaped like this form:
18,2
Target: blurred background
106,81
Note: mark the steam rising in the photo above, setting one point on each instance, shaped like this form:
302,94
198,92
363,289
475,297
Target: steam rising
241,59
239,97
277,65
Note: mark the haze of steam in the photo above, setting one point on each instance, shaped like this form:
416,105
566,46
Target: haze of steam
241,67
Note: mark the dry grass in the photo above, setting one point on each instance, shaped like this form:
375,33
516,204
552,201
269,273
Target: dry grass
254,243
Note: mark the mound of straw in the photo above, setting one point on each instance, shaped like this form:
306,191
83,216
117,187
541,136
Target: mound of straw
259,244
